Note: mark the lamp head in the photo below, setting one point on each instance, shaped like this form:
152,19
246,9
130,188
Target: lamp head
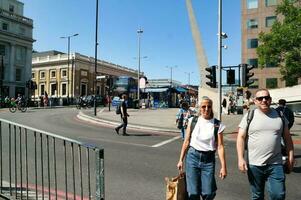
224,35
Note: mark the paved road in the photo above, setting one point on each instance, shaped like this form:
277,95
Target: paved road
135,166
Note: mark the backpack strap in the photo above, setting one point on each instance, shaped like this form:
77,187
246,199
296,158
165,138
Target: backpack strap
281,115
216,127
250,117
193,123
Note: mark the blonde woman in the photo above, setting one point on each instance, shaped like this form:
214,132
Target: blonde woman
204,136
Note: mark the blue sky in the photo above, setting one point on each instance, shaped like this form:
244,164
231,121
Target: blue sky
166,40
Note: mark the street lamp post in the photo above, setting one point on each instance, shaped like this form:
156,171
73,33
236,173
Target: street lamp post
188,73
171,73
95,69
68,37
221,35
170,67
139,32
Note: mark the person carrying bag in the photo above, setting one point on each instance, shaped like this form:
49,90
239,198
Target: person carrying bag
204,136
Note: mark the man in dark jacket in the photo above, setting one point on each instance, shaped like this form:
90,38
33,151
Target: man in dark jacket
288,114
124,116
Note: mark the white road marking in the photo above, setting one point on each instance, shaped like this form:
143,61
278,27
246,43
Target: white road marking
134,144
114,141
166,141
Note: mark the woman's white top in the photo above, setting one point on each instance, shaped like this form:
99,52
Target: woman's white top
202,137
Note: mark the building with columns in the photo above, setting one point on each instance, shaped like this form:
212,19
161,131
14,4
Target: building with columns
15,48
53,75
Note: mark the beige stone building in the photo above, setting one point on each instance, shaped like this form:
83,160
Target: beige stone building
15,48
258,16
52,74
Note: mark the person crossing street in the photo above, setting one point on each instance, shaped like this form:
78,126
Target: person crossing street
124,116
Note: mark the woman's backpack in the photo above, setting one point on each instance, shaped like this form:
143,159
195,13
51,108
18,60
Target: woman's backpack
180,121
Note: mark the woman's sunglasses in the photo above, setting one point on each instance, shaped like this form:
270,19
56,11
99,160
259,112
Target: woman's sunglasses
203,107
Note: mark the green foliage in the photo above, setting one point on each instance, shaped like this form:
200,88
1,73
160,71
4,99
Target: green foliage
281,47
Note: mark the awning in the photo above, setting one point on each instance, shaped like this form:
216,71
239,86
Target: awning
179,89
156,89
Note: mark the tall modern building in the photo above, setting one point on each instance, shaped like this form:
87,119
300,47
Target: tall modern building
15,48
258,16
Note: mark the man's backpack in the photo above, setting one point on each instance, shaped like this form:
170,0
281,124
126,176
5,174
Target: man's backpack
118,109
250,117
216,126
288,114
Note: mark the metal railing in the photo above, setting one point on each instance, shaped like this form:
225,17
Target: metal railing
36,164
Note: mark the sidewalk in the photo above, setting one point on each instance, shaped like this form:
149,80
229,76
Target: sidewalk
163,120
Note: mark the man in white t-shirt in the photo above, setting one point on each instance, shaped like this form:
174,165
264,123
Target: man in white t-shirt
264,162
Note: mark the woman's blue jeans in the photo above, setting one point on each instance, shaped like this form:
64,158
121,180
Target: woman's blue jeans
273,175
200,168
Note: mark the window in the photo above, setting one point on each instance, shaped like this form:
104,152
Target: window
33,75
18,74
42,89
2,50
20,54
53,89
252,4
5,26
253,61
42,75
255,84
270,2
11,8
22,31
252,23
271,83
83,89
252,43
64,73
52,74
270,64
269,21
64,89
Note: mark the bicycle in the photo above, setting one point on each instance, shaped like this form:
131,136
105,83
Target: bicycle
13,106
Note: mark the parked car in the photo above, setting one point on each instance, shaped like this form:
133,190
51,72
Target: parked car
297,113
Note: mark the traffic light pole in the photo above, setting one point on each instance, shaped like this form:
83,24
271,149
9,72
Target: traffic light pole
219,59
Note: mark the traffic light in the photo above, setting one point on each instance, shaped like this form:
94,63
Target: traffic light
211,76
231,76
246,75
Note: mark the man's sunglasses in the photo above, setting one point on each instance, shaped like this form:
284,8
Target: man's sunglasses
263,97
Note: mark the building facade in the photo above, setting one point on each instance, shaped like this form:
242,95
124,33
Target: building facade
54,75
15,48
258,16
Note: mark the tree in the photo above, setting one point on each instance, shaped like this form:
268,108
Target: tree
281,47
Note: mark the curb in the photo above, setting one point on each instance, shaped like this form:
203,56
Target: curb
88,118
